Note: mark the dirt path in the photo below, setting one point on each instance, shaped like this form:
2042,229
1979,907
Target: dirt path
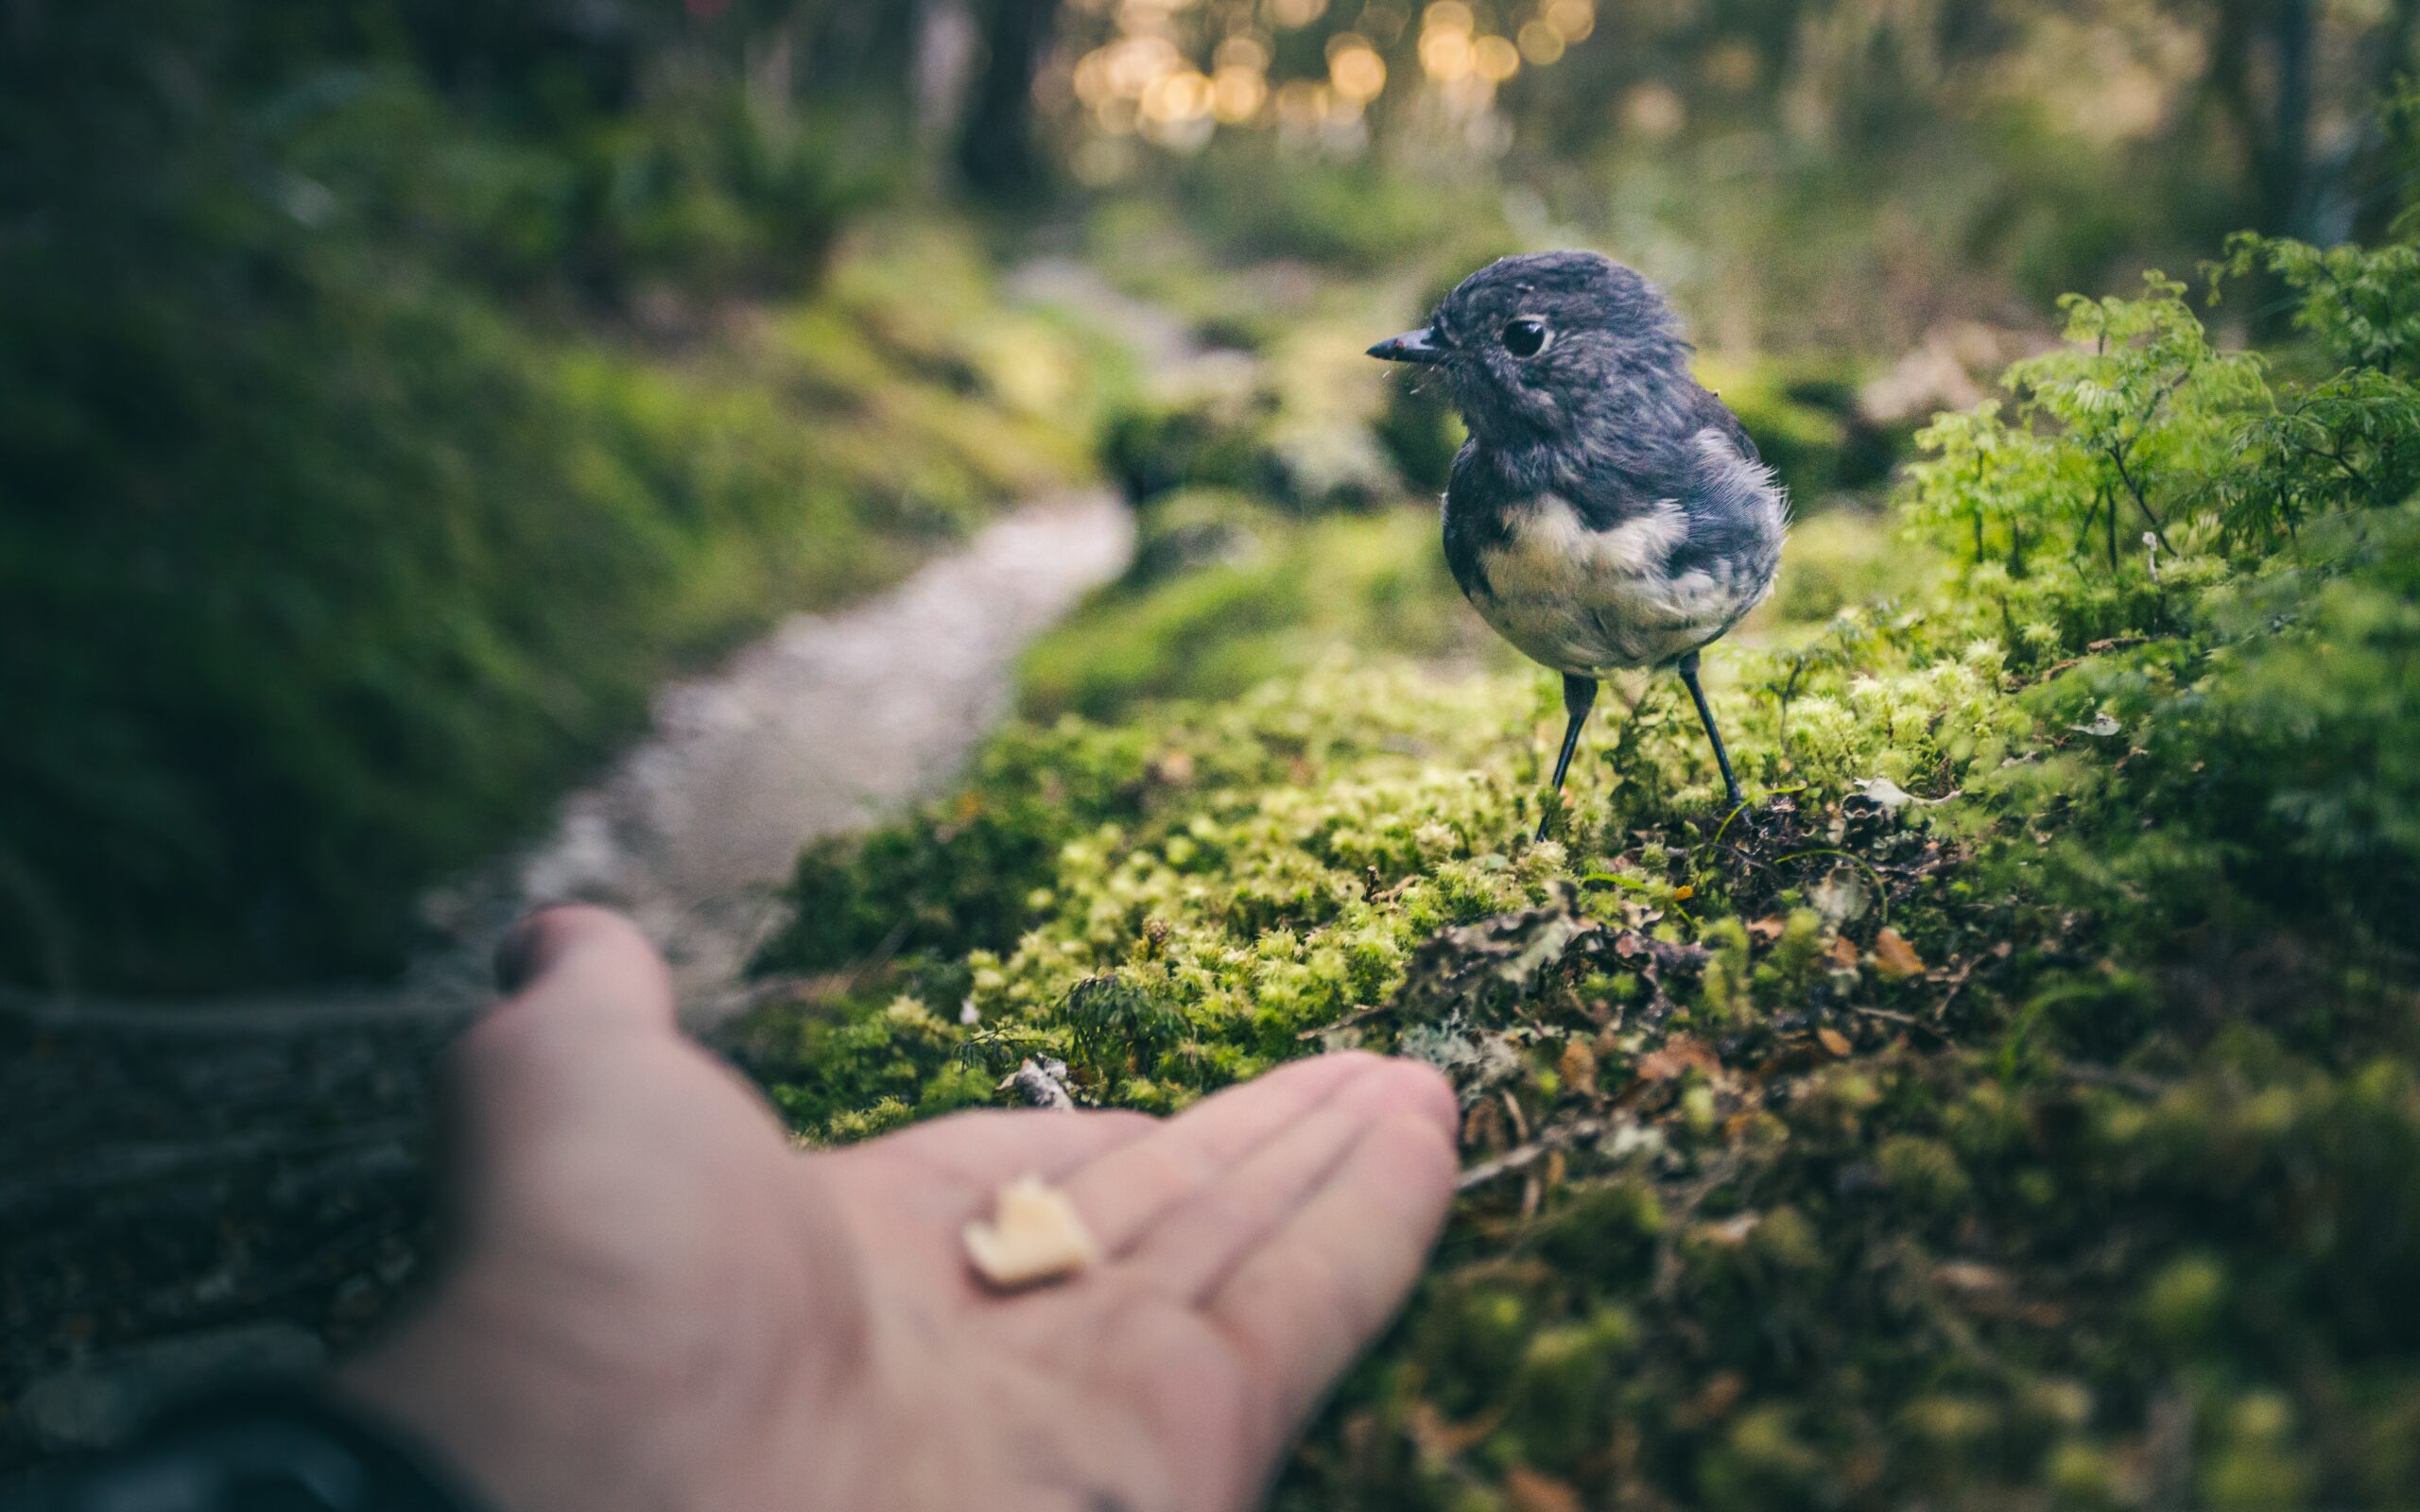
826,725
195,1187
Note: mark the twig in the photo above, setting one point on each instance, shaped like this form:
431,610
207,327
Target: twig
1956,984
1908,1019
2124,1081
1359,1016
1521,1157
2115,643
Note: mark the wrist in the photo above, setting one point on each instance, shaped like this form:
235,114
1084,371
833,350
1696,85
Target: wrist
255,1445
529,1433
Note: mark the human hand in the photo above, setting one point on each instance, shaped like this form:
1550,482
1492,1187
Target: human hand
656,1301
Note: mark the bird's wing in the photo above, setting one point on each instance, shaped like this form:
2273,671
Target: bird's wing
1737,511
1710,412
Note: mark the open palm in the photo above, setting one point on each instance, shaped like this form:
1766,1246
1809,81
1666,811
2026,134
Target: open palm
656,1301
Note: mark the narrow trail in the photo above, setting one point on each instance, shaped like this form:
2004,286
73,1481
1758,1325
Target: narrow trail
827,725
189,1188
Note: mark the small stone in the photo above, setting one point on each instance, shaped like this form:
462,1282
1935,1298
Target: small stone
1578,1066
1042,1082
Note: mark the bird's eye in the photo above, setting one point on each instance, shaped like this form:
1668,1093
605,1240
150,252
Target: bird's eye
1526,336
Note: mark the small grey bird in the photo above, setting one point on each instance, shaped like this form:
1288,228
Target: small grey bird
1607,512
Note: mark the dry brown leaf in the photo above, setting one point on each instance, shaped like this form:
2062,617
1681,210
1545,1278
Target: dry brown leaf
1715,1402
1894,956
1528,1491
1578,1066
1441,1440
1679,1055
1843,953
1766,931
1835,1041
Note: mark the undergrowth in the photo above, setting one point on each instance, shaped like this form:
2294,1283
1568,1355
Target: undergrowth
318,593
2018,1104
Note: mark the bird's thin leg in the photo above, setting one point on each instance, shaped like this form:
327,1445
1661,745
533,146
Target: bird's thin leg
1688,665
1578,696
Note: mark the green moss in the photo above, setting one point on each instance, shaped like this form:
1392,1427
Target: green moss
2092,1178
1226,595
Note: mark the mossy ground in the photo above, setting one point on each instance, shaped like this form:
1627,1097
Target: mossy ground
2018,1104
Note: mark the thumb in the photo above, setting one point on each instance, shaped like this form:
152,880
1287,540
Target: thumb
585,963
587,990
565,1062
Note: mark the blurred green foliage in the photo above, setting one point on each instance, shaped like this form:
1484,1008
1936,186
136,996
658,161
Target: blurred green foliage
1349,216
1229,595
2019,1105
1830,175
374,447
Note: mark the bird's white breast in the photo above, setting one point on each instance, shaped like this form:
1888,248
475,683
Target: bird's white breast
1591,601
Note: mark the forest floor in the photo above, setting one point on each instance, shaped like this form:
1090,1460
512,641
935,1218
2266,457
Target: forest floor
188,1188
2015,1105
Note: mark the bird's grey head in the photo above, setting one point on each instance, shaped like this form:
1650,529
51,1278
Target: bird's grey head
1536,347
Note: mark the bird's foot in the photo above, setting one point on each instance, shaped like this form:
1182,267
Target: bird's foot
1736,817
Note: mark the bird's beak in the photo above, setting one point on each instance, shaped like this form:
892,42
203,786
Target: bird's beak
1420,346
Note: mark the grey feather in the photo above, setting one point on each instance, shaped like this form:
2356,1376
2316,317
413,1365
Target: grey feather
1608,511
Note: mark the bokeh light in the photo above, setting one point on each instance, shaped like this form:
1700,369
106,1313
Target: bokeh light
1445,56
1572,20
1541,44
1355,68
1173,72
1236,94
1496,58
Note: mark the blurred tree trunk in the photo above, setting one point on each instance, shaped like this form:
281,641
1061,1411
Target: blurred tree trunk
947,41
2382,152
770,63
2260,79
1001,150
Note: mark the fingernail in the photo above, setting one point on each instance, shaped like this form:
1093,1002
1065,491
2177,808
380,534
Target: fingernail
520,954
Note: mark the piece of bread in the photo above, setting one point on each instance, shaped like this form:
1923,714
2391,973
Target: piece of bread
1035,1235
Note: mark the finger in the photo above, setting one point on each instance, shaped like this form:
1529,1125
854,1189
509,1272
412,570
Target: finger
925,1184
1200,1241
560,1092
589,963
1120,1193
987,1147
592,1016
1302,1305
